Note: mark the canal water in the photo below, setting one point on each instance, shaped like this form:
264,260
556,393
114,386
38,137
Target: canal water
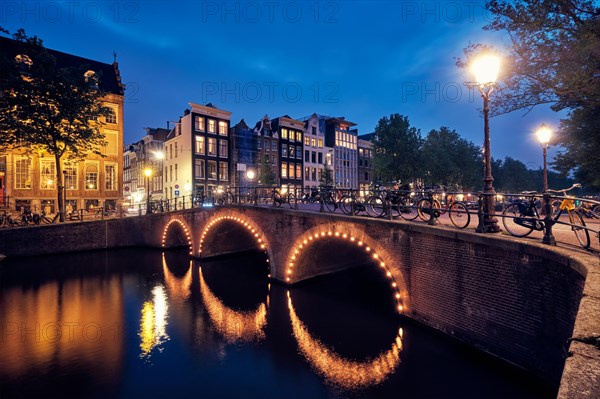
146,324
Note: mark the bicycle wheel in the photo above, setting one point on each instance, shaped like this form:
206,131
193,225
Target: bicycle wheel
596,211
346,204
277,200
459,215
408,208
291,199
510,216
229,199
582,234
375,206
329,203
424,209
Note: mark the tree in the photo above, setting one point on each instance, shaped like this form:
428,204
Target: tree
553,58
450,160
48,109
326,178
266,175
397,150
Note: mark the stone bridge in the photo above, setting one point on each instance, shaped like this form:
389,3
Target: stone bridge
517,301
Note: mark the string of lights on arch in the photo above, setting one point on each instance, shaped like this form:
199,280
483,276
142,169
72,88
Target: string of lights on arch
248,226
291,263
185,229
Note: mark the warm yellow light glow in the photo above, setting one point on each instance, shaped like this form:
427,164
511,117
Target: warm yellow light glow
250,174
233,325
177,288
486,68
147,172
348,374
153,323
544,133
159,155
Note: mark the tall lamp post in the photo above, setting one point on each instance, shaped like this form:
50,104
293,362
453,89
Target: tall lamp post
148,174
485,69
543,134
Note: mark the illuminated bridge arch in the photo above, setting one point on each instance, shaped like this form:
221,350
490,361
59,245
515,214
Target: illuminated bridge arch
177,222
246,224
352,236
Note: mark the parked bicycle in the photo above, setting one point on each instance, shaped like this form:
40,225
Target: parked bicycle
224,196
400,202
521,217
277,198
457,211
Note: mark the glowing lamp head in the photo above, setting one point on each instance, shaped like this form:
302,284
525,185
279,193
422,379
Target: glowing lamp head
250,174
159,155
486,69
147,172
544,133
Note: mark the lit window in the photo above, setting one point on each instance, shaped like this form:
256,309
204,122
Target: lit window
306,140
299,137
298,171
111,138
212,146
111,117
199,125
199,169
211,126
223,128
47,174
23,173
284,167
284,133
292,174
91,177
110,172
199,148
212,170
223,171
70,176
320,143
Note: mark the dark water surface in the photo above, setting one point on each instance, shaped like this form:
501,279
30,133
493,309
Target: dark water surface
137,323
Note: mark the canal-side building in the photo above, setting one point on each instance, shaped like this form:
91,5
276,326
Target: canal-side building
28,181
197,152
291,144
144,155
268,153
365,165
316,154
244,155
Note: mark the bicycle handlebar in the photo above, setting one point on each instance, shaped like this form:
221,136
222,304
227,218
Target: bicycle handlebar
564,190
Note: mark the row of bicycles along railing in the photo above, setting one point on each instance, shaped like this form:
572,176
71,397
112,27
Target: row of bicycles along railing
28,217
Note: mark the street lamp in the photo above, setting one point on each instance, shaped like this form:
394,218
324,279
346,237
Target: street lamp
148,174
544,133
486,68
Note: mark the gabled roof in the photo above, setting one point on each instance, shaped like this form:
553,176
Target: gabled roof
109,74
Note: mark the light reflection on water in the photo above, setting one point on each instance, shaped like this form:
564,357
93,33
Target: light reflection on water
345,373
153,323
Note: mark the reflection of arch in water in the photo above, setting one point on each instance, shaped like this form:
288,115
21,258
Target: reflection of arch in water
375,251
246,223
173,222
345,373
179,288
234,325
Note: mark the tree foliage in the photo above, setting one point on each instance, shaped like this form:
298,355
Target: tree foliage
553,58
397,150
266,176
450,160
326,178
48,109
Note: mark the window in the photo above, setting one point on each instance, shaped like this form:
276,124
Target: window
273,145
223,171
313,142
199,148
320,143
320,155
313,157
284,167
211,126
70,176
291,135
223,149
306,156
199,123
314,130
212,170
111,117
291,173
298,152
111,142
212,147
299,137
291,152
175,150
175,171
298,171
166,173
284,133
284,152
91,177
170,151
199,169
223,128
23,173
306,141
313,174
47,174
171,172
110,179
306,169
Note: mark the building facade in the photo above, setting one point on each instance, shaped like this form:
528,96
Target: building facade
365,166
268,153
244,155
28,181
344,142
316,154
291,144
197,153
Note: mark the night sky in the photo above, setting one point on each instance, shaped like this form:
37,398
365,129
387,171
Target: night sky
358,59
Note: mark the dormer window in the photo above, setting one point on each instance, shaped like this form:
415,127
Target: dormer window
91,78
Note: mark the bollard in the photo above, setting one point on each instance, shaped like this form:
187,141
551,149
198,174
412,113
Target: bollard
548,222
480,226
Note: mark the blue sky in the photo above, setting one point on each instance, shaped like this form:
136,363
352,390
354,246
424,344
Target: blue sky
358,59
